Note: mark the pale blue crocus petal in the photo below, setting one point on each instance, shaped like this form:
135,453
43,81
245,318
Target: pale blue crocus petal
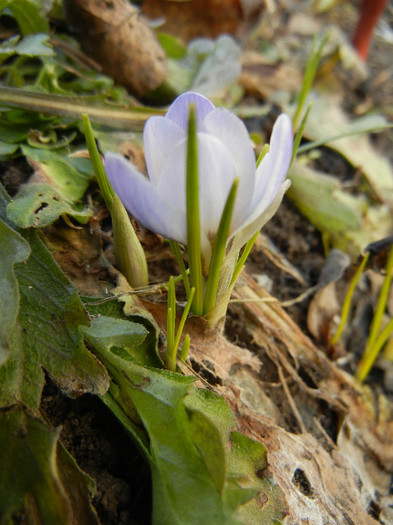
179,111
160,136
273,169
216,175
270,176
143,200
232,133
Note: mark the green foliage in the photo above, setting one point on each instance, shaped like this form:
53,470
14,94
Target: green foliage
27,14
14,250
201,471
39,475
45,333
39,204
348,222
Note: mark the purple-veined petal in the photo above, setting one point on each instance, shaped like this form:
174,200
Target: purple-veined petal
143,200
216,175
180,109
232,133
160,136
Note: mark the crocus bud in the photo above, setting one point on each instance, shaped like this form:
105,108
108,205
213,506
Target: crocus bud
130,257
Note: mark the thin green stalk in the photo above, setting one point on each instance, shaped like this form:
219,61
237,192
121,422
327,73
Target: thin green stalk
219,248
265,149
176,252
193,220
99,170
183,319
368,359
348,300
381,304
74,107
172,340
185,348
240,263
299,132
171,326
350,133
309,74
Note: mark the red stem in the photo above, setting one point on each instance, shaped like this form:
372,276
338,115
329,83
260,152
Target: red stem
370,11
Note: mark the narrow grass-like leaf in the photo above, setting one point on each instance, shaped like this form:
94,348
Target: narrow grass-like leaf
193,220
299,132
265,149
375,341
170,326
99,170
219,247
74,107
350,133
368,359
348,299
185,348
176,252
381,304
309,74
246,252
183,319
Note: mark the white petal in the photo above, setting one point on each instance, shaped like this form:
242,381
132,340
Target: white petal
232,133
180,109
143,200
216,175
244,235
159,137
274,166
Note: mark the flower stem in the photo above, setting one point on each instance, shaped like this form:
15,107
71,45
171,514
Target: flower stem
240,263
348,299
219,247
193,220
176,252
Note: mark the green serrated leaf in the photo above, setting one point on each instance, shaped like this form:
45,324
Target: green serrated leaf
45,334
210,421
38,205
28,460
181,429
60,172
108,332
35,45
247,469
146,353
14,249
34,476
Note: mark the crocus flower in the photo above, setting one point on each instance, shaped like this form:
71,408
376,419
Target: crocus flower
224,153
